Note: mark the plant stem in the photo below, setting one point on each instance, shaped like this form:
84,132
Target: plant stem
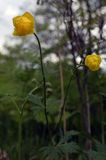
44,81
20,123
15,104
20,137
65,97
102,122
19,128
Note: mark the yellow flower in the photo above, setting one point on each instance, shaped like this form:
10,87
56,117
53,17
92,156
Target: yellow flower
24,24
93,61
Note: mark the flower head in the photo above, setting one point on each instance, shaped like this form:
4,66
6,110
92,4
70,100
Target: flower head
24,24
93,61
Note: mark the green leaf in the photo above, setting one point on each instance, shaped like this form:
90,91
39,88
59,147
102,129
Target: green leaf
36,100
52,152
71,148
52,105
55,152
99,153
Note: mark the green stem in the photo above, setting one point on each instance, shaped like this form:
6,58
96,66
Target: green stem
44,81
15,104
20,123
65,97
22,109
19,128
20,137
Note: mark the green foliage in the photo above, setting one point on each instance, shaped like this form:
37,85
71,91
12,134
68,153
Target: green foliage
56,152
99,152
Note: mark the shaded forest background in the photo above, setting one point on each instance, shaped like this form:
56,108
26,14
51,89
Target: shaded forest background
68,31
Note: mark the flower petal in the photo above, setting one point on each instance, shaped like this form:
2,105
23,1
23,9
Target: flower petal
29,16
15,20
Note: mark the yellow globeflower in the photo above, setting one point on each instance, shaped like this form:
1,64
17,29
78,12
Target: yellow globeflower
93,61
24,24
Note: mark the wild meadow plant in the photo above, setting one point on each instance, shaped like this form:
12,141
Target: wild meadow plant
23,26
75,83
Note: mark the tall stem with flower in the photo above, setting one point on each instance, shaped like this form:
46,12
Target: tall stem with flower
24,25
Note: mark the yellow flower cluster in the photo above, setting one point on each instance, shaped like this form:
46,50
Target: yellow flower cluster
93,61
24,24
